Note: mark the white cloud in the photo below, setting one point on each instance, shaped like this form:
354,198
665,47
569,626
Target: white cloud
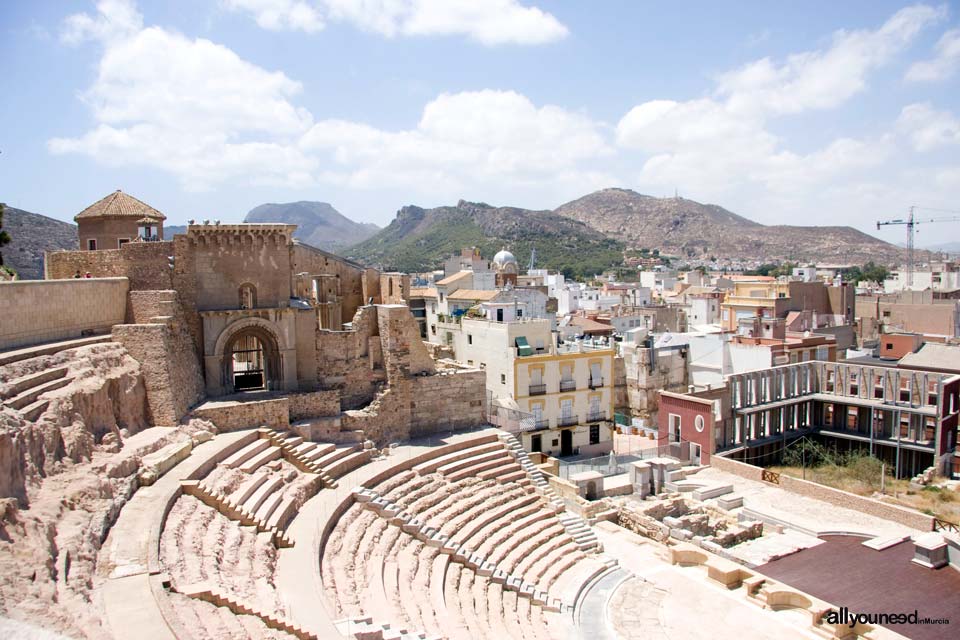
115,19
197,110
490,22
943,65
827,78
723,145
189,106
464,139
928,128
278,15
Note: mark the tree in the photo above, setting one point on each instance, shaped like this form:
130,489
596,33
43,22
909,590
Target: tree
4,236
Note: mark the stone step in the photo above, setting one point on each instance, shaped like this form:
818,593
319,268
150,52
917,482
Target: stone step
32,412
246,453
29,381
334,454
267,455
30,395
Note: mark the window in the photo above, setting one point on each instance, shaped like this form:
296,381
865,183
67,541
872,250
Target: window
433,329
469,339
594,434
92,244
503,378
248,296
698,424
121,242
519,313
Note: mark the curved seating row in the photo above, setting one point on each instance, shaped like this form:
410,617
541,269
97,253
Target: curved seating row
462,545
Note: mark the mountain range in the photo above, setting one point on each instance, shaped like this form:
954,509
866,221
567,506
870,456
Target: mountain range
318,223
686,228
583,235
30,235
419,239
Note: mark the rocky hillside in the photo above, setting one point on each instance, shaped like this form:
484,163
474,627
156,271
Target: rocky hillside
678,226
30,235
318,223
419,239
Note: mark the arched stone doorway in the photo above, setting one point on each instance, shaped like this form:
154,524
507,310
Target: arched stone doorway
250,358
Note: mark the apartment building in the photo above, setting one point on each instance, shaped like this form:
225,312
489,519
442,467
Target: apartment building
566,390
907,418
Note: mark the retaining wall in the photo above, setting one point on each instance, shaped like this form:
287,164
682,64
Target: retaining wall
38,311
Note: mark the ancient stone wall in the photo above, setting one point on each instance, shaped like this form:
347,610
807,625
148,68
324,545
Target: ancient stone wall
229,257
36,311
447,402
307,259
394,288
163,345
347,362
313,404
143,306
403,350
228,415
145,264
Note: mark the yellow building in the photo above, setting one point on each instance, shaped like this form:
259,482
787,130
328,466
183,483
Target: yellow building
569,393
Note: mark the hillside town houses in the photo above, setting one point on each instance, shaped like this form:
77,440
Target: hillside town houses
572,365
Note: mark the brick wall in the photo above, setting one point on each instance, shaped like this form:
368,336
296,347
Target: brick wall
689,409
835,497
36,311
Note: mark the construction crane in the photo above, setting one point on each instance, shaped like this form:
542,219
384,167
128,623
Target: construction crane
911,222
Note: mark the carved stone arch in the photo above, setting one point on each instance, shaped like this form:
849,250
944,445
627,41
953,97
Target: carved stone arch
258,331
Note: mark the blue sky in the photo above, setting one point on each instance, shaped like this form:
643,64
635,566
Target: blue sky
793,113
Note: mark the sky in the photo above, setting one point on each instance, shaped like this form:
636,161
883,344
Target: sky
814,113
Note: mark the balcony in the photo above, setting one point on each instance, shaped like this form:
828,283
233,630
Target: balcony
568,385
596,383
596,416
568,421
538,389
541,424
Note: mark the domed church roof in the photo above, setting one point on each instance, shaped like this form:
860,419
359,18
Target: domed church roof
503,258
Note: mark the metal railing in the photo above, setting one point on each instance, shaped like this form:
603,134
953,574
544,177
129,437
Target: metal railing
568,385
541,424
510,420
538,389
568,421
596,416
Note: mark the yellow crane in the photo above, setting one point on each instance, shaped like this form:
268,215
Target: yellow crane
911,222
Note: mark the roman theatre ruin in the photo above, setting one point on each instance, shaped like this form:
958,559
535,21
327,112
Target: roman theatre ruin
230,434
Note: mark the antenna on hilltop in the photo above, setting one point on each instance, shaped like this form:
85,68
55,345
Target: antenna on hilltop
533,258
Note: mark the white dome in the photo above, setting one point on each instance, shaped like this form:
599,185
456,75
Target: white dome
503,257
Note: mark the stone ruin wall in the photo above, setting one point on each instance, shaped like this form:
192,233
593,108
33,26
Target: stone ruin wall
351,361
161,342
146,264
354,290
